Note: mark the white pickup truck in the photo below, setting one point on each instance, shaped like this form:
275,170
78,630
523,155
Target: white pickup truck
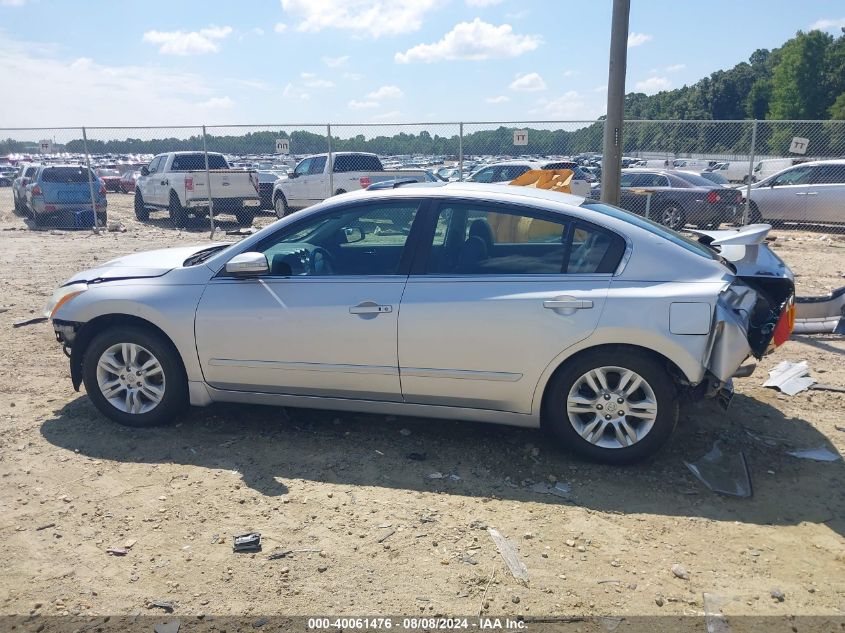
315,179
177,182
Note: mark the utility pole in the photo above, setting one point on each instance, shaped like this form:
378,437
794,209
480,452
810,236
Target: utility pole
611,169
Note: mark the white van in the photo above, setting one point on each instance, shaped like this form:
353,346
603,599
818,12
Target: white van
736,171
765,168
695,164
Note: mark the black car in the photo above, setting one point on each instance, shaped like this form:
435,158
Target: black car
266,180
675,200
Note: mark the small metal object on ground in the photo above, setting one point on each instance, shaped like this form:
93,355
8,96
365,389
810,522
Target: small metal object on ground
44,527
386,536
790,378
30,322
250,542
161,604
511,558
820,454
168,627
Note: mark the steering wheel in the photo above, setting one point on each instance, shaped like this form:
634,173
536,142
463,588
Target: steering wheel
320,262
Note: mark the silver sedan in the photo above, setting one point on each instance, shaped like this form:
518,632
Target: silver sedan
464,301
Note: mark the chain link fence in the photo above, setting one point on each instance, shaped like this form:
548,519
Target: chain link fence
289,167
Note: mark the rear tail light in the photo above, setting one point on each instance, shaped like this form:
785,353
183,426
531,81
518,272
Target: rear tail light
102,191
365,181
189,184
785,324
36,191
254,179
713,197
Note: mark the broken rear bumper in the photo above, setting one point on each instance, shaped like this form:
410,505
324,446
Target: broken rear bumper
821,315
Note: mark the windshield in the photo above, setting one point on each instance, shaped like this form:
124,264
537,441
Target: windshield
653,227
695,179
65,174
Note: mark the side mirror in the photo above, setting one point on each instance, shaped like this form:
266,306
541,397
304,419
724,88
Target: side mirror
145,171
248,264
293,174
354,234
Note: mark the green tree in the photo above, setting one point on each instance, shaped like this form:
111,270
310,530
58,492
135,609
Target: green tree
799,81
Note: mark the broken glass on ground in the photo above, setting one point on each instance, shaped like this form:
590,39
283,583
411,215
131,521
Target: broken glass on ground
724,473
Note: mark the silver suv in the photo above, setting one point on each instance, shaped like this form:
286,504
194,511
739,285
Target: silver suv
472,302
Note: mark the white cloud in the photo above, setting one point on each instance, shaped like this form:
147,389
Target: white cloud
353,76
498,99
827,24
386,92
675,68
334,62
105,95
362,105
220,103
570,106
387,116
636,39
13,3
295,92
569,72
601,88
188,42
372,18
258,31
255,84
474,41
319,83
653,84
530,82
280,27
483,3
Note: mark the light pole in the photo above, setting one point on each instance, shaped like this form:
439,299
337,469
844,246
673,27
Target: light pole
611,170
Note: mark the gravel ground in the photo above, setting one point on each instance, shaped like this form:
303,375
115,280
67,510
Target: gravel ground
371,532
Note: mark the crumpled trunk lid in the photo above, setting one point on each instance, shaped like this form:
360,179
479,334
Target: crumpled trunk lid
756,312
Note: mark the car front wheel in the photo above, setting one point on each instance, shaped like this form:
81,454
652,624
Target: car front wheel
672,216
612,406
134,377
281,206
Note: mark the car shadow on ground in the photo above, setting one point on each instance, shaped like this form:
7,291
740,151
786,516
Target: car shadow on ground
268,444
193,225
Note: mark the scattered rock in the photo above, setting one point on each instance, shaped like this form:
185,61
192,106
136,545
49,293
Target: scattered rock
659,601
405,432
777,594
322,568
515,599
680,571
570,543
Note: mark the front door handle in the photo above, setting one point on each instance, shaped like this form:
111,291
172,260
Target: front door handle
370,307
800,193
812,193
567,304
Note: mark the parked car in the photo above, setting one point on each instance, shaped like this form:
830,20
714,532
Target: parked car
809,192
316,178
618,318
507,171
771,166
64,192
672,200
7,175
110,178
177,182
27,171
714,177
129,179
734,171
266,181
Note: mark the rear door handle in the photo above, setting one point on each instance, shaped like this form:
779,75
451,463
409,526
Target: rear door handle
370,307
567,304
800,193
812,193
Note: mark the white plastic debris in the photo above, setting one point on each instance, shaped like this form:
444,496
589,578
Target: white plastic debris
820,454
790,378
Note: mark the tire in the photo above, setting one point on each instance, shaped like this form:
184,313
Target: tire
164,391
18,207
754,215
280,205
141,212
561,418
178,213
672,215
245,216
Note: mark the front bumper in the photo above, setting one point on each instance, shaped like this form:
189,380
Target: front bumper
225,204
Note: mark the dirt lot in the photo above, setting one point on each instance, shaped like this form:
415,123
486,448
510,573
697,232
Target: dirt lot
391,539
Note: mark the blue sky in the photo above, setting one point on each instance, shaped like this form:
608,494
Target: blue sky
113,62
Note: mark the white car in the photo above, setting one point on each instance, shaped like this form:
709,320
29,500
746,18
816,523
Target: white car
809,192
506,171
509,305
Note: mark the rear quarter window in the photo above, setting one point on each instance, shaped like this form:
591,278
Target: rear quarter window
356,162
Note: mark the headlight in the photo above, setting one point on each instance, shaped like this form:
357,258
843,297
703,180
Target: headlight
62,296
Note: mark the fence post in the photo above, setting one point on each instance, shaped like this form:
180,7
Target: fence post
96,227
330,162
461,152
208,183
746,213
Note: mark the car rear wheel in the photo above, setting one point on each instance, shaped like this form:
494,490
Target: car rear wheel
612,406
672,215
141,212
281,206
134,377
178,213
754,215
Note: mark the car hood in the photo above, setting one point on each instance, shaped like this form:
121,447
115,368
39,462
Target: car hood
147,264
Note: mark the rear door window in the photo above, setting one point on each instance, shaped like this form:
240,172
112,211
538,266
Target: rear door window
66,175
828,175
196,162
356,162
